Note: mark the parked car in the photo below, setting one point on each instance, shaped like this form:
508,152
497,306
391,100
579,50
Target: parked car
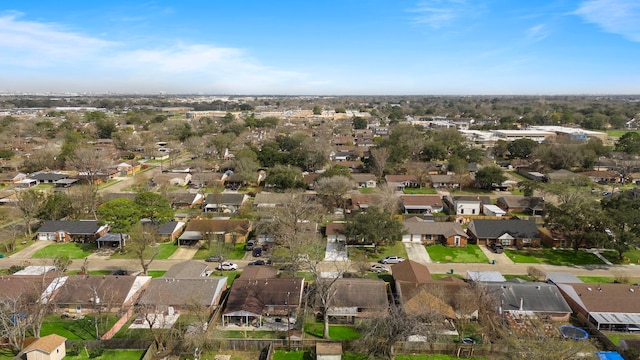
256,252
249,245
496,248
227,266
214,258
377,268
120,272
260,262
392,259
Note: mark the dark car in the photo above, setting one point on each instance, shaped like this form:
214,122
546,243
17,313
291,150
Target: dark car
214,258
496,248
120,272
260,262
256,252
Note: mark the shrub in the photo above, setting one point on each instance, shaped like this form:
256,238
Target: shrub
96,352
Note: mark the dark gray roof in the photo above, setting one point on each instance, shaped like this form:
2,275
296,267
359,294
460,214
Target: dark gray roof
48,176
562,278
533,296
225,198
203,291
168,227
80,227
493,229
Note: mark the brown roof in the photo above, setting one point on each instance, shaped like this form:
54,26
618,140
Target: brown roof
446,229
364,177
226,226
437,295
82,289
413,200
411,271
203,291
259,272
264,296
46,344
617,298
401,178
361,293
335,228
14,286
329,348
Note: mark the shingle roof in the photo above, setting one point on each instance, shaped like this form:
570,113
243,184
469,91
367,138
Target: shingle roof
606,298
256,295
361,293
48,176
225,198
411,271
79,227
204,291
168,227
425,200
522,201
227,226
259,272
335,228
534,296
493,229
81,289
446,229
46,344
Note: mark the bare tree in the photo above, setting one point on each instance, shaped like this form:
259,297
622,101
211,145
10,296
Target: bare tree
334,188
84,201
90,162
379,334
29,203
142,243
379,158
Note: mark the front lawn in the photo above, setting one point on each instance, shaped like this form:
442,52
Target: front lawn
231,252
420,191
552,257
71,249
375,254
633,256
80,329
164,251
336,332
469,254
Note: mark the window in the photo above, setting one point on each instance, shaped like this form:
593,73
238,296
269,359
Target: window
526,241
473,211
505,242
461,210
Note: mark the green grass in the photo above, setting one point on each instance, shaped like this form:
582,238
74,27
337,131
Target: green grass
469,254
429,357
164,251
516,175
632,255
617,133
111,355
291,355
231,252
18,246
336,332
552,257
441,276
597,279
367,190
471,191
251,333
420,191
375,254
81,329
521,277
156,273
71,249
90,272
615,337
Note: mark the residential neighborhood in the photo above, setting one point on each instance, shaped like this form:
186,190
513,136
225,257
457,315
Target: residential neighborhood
180,231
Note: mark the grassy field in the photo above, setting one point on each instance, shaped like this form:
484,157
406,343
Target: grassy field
617,133
358,254
469,254
80,329
292,355
420,191
164,251
110,355
552,257
236,252
429,357
70,249
336,332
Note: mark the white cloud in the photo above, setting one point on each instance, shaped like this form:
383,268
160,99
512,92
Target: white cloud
538,32
440,13
620,17
46,50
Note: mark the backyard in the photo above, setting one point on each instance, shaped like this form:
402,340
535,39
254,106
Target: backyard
76,329
336,332
468,254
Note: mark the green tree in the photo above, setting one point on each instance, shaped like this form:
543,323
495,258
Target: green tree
375,226
154,206
489,175
317,110
521,148
359,122
285,177
105,128
337,170
623,214
121,214
56,206
629,143
500,149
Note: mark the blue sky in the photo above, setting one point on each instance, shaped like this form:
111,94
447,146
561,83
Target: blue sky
322,47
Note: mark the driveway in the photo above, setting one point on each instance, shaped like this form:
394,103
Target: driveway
336,251
417,252
501,259
27,253
186,252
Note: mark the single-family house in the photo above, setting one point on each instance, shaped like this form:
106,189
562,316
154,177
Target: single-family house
128,168
82,294
112,240
71,230
49,347
32,287
429,232
47,177
185,200
354,298
231,231
259,296
421,204
12,177
613,307
528,299
365,180
444,181
225,202
466,204
533,205
603,177
170,230
399,182
335,232
504,232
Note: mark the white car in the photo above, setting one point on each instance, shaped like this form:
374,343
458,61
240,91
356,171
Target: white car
227,266
392,260
377,268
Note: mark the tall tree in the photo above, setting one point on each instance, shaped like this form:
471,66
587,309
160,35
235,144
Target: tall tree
29,203
334,188
121,214
154,206
375,226
623,215
141,243
285,177
56,206
488,176
522,148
